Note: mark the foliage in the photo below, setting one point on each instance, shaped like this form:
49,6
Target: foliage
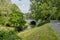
8,35
4,11
5,2
10,15
45,9
16,17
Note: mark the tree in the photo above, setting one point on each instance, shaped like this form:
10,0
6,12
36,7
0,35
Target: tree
11,16
5,2
16,17
4,11
44,9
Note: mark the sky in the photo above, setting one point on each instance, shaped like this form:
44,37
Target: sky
24,5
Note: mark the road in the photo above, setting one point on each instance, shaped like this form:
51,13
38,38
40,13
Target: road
55,26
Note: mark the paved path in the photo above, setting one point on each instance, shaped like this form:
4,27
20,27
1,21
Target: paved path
55,25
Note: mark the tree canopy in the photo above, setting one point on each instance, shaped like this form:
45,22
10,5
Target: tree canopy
45,9
10,14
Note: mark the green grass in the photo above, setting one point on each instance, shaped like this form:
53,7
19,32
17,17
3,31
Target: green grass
44,32
6,28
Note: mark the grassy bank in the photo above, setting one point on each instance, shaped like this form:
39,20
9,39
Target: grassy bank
44,32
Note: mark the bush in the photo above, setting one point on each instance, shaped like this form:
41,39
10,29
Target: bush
8,35
42,23
12,17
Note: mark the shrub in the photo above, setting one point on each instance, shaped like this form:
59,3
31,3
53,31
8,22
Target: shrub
8,35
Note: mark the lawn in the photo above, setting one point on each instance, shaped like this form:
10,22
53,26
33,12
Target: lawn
44,32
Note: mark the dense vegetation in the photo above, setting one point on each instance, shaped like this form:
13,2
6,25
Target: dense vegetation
12,20
45,9
10,15
8,35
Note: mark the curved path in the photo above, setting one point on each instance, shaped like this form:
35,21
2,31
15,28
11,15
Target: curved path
55,25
